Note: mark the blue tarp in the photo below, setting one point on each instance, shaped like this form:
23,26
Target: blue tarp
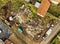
20,30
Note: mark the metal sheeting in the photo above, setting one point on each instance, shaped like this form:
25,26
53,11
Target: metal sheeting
5,31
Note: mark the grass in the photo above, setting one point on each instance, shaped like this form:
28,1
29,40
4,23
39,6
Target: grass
56,40
16,4
51,16
39,0
3,2
33,9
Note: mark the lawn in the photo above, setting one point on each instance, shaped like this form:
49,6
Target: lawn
56,40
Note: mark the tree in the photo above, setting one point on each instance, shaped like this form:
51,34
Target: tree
55,10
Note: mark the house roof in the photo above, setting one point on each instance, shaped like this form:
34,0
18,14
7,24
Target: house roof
44,6
55,1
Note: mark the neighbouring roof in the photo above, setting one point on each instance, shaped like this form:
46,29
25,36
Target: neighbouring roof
55,1
27,0
44,6
37,4
5,31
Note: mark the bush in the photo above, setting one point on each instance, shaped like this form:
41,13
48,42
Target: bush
55,10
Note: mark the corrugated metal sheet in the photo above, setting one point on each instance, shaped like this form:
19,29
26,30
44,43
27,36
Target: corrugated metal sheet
6,32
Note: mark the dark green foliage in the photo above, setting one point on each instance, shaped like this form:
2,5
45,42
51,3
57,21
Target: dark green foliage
55,10
39,0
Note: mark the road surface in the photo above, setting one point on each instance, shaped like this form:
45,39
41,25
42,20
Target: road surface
56,29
